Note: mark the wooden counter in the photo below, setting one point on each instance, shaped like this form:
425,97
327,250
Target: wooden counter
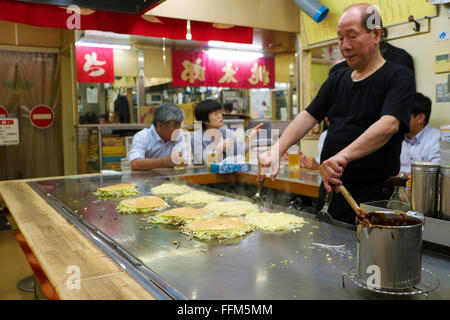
57,245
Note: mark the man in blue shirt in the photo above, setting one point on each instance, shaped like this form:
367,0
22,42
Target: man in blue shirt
421,143
154,147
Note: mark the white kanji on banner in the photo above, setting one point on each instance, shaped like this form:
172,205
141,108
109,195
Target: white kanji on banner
95,64
92,65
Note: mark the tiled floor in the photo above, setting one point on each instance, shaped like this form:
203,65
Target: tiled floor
13,268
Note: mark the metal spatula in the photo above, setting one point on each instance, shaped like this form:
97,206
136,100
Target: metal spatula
256,197
323,214
260,185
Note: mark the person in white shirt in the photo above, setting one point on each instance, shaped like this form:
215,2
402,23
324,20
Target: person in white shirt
311,162
421,143
214,137
153,147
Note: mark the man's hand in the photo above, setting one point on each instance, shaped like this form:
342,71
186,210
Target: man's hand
331,171
143,164
267,160
302,158
176,157
308,162
167,161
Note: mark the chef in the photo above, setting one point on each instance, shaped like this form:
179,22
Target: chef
369,108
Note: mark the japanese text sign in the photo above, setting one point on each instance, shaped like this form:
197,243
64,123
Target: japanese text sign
95,64
197,68
9,131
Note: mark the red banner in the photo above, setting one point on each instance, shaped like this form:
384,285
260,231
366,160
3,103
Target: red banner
53,16
227,69
95,64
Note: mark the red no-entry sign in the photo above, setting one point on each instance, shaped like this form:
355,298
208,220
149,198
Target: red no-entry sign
3,112
42,116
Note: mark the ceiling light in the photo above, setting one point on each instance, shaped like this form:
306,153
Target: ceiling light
103,45
188,30
233,45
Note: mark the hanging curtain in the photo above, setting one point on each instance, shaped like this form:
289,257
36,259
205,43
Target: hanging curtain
9,159
33,81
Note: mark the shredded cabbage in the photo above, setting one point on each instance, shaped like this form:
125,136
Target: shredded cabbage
231,208
196,197
274,221
170,189
129,210
169,220
117,193
219,234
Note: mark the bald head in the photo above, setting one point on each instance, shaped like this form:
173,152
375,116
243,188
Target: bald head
369,16
359,34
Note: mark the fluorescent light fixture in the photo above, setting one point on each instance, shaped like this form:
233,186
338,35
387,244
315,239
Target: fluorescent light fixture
234,45
91,34
188,30
226,54
103,45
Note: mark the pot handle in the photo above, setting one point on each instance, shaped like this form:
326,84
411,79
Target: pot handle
419,215
416,214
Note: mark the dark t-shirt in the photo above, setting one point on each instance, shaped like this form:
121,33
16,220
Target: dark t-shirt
390,53
352,107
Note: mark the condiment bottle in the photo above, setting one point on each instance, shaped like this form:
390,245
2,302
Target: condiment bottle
399,199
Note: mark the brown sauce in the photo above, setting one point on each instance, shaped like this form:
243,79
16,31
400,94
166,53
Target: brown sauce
379,219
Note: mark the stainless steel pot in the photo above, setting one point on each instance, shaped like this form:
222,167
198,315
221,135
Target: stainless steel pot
424,180
389,256
445,193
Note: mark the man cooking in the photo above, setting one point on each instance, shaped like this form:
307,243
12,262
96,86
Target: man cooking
368,106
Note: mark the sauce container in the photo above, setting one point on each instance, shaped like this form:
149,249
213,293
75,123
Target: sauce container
391,245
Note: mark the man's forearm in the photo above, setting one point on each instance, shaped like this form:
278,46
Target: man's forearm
150,163
296,130
376,136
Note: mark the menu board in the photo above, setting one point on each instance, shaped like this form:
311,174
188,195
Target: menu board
9,131
392,12
260,104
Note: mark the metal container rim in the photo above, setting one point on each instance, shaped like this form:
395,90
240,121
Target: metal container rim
420,224
425,164
425,169
432,166
445,170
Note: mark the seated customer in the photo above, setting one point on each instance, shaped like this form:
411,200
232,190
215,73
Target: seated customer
103,119
209,112
311,162
152,147
113,118
228,108
421,143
